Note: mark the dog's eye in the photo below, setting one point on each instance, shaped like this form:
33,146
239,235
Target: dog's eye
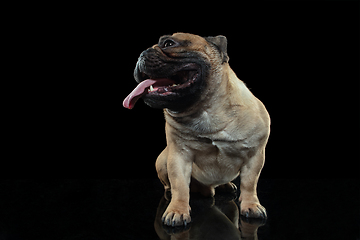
168,43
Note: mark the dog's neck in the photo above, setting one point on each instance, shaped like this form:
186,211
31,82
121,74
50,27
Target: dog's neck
203,117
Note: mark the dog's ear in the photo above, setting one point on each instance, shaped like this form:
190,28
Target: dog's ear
220,43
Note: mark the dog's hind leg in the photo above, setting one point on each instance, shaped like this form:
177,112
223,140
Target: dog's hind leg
196,186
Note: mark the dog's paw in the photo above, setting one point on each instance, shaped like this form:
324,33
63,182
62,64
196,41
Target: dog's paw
252,210
229,187
177,214
226,191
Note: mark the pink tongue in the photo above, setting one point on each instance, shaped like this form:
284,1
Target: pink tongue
140,90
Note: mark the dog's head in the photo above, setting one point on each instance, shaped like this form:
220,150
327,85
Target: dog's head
174,73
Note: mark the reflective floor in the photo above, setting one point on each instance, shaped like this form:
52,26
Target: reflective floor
131,209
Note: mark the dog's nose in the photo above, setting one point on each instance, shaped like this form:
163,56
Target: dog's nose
151,58
147,52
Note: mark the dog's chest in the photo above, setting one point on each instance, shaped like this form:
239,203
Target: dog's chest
223,147
218,161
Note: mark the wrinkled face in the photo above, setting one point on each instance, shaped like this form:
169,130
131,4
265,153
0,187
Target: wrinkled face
173,73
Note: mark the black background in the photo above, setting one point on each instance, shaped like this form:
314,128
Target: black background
301,59
74,67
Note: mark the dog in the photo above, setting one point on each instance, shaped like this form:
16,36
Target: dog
216,129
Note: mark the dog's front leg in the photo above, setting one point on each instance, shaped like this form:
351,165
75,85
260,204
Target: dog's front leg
249,175
179,166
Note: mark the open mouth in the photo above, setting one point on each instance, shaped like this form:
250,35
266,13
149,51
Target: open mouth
176,83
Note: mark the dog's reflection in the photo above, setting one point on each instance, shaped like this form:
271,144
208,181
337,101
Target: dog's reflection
212,218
